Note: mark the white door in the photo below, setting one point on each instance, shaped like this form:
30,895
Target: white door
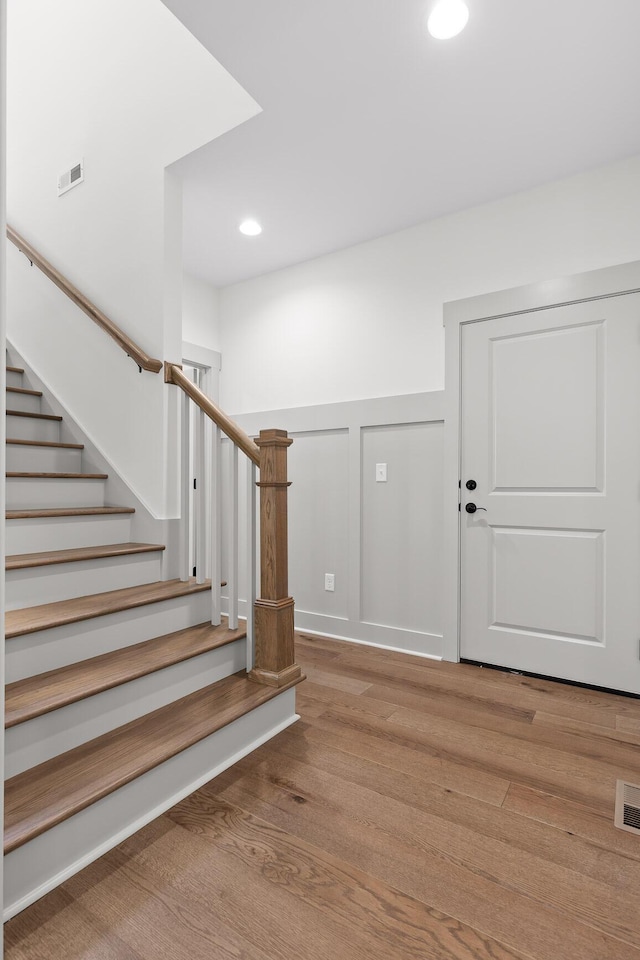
550,573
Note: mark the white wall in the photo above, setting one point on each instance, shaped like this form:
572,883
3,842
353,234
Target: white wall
3,403
200,313
124,85
367,321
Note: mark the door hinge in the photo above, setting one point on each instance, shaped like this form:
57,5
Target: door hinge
194,571
194,483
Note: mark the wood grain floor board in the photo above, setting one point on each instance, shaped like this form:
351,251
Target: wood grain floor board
408,757
154,905
277,920
318,694
568,888
468,750
497,823
474,677
418,810
629,727
491,686
575,819
373,918
519,759
435,879
59,927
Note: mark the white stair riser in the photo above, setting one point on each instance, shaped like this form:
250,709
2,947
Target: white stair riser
23,401
60,646
35,534
43,459
32,428
42,738
63,581
31,493
45,862
14,379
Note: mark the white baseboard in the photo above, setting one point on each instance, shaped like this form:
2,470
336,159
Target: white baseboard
426,645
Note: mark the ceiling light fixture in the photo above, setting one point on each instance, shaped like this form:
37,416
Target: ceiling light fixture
447,19
250,228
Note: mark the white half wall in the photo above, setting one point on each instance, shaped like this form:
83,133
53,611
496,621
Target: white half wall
367,321
200,313
381,540
127,88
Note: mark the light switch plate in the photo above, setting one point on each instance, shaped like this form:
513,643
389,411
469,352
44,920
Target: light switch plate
381,473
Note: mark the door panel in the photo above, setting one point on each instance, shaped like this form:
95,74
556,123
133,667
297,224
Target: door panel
550,574
547,408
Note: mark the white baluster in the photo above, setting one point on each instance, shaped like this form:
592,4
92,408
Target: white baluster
232,554
252,557
185,488
216,526
199,500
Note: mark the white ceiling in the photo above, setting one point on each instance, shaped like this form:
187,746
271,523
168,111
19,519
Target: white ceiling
369,125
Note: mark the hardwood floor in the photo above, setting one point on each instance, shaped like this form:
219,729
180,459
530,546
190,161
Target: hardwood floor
417,810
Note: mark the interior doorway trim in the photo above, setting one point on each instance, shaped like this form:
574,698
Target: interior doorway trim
594,285
209,361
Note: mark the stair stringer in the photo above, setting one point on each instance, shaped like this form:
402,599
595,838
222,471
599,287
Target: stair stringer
145,526
45,862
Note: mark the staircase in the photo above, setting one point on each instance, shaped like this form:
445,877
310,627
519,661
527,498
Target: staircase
121,696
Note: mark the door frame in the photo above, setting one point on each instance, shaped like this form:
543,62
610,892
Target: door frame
594,285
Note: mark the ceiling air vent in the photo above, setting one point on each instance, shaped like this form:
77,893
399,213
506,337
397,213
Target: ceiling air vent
71,178
628,807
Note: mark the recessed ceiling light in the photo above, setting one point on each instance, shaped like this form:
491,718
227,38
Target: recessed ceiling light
250,228
447,19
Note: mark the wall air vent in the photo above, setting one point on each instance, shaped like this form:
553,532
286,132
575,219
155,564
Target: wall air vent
628,807
71,178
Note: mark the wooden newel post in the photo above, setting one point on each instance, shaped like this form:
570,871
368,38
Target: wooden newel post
274,657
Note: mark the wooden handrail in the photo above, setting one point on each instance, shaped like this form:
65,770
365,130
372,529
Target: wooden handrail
173,374
144,361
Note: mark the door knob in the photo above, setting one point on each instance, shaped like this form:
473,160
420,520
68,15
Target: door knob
471,484
471,508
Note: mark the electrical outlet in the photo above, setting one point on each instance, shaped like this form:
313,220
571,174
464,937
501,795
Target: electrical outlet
381,473
330,581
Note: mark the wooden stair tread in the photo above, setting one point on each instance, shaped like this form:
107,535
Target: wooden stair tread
35,696
33,416
23,561
65,512
61,612
33,475
44,796
24,390
15,370
46,443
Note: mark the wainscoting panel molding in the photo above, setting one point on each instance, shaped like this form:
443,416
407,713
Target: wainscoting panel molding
381,540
